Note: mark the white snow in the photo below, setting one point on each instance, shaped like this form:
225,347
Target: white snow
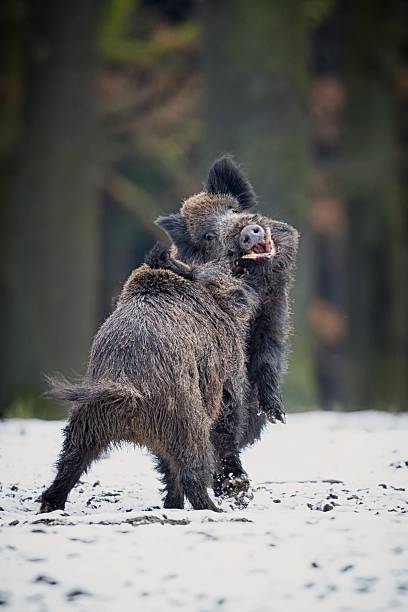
116,549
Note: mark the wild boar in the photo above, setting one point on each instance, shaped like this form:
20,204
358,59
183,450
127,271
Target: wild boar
219,224
162,368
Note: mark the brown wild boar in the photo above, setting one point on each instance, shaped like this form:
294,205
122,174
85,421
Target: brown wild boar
162,368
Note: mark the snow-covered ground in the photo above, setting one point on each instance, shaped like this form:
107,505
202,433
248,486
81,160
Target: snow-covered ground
327,528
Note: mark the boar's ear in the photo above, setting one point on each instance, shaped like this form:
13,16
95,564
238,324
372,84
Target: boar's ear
225,177
175,227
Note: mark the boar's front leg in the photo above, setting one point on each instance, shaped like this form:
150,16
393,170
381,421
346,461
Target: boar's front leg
269,332
268,352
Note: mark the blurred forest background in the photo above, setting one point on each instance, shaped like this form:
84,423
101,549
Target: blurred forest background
110,113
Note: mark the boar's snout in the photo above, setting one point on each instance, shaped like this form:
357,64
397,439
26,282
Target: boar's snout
251,235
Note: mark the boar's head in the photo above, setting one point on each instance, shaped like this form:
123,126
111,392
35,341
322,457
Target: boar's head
220,224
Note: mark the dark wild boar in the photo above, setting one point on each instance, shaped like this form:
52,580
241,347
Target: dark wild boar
218,224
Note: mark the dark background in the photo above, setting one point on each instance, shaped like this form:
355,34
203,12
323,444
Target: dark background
110,113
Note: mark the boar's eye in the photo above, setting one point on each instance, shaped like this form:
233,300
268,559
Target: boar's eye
209,236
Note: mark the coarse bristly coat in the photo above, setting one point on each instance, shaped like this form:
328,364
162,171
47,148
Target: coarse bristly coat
213,225
162,367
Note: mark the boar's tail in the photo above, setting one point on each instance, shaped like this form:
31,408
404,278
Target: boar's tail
102,392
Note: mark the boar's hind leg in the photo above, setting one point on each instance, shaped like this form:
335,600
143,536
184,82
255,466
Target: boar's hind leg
80,448
195,478
195,463
230,478
174,494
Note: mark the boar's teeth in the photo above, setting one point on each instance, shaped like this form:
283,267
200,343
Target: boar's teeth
250,256
257,255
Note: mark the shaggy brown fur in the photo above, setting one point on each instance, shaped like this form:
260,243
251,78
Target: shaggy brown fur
160,369
217,225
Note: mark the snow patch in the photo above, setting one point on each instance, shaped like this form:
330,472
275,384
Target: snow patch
327,527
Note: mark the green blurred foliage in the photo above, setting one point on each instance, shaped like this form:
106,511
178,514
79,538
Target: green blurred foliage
144,46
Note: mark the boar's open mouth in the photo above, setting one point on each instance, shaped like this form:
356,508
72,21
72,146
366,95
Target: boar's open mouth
265,249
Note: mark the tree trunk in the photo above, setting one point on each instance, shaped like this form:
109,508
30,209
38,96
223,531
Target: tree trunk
328,215
376,207
52,261
256,74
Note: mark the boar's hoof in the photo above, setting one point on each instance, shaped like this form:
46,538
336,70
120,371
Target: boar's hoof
216,509
274,409
231,486
173,503
49,506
